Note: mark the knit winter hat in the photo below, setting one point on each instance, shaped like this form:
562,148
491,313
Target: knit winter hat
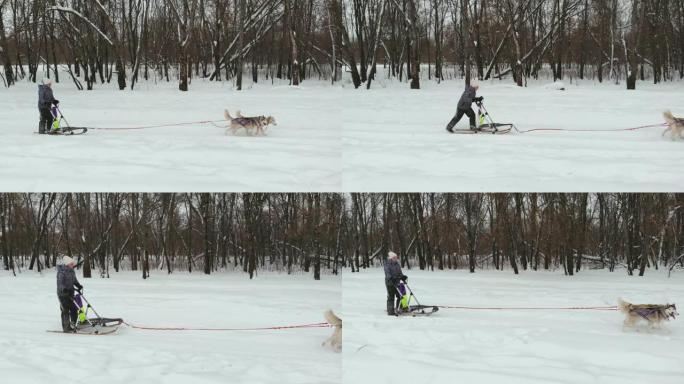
46,81
474,83
66,260
392,255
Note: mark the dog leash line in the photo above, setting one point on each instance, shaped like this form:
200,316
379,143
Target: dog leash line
282,327
201,122
592,130
610,308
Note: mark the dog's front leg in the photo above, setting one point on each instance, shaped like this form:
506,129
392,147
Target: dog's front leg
627,324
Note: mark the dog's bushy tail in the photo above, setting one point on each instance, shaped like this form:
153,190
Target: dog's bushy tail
227,115
623,305
332,319
668,116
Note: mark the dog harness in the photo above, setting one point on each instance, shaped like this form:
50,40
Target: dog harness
241,120
247,120
646,312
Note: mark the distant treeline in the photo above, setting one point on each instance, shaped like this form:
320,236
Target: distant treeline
98,41
519,231
316,232
172,231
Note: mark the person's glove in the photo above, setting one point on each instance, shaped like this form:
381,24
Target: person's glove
56,102
478,99
79,290
404,278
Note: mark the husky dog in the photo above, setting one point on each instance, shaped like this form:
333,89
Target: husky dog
255,124
335,340
653,314
674,125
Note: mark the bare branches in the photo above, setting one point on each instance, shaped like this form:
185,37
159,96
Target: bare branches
169,40
170,231
79,15
525,231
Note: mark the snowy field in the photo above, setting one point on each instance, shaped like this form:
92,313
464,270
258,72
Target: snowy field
301,154
29,305
340,139
512,346
395,139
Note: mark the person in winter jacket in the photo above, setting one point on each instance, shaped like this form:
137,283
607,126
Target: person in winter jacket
393,275
45,102
66,282
464,106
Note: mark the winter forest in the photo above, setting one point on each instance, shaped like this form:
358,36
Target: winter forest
323,233
567,231
93,42
109,232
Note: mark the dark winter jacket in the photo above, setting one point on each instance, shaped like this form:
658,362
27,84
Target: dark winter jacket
66,281
393,272
45,97
467,97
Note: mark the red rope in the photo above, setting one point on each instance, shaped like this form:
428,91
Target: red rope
610,308
158,126
312,325
592,130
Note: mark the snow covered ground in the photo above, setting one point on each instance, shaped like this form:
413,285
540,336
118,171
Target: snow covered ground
512,346
301,154
29,305
341,139
395,139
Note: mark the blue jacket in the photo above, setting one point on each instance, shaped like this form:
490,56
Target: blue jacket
45,97
393,272
66,281
467,97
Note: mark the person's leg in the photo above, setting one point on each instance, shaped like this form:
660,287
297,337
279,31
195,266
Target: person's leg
454,121
391,291
65,304
41,124
46,119
471,117
73,311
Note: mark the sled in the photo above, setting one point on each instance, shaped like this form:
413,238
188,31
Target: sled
406,309
417,310
93,331
486,124
488,128
91,324
66,131
57,128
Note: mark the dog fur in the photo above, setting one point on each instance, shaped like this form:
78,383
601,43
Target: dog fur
675,126
255,124
653,314
335,340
